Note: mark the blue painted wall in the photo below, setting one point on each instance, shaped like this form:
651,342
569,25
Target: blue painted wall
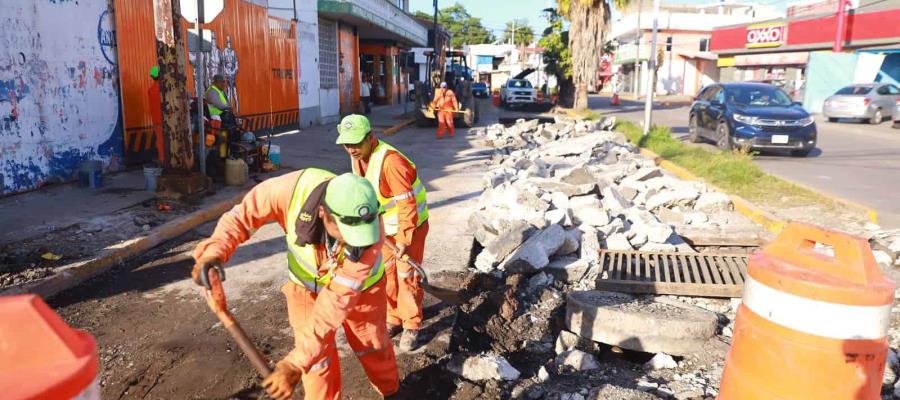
59,91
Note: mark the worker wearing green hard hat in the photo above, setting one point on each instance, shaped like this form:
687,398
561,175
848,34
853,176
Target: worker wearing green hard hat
334,238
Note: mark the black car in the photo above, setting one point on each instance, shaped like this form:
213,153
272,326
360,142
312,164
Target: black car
480,89
753,115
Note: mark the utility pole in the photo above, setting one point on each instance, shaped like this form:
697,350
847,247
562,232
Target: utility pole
435,34
179,179
512,35
636,74
841,21
651,71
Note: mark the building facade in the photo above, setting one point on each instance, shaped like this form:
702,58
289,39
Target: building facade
795,52
685,61
74,76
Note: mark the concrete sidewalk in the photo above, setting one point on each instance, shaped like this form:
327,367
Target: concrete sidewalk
39,212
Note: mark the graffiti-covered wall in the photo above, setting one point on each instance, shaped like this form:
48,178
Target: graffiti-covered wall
59,101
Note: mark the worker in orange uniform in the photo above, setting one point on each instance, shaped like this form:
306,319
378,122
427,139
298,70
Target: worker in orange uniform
155,104
405,215
334,239
444,105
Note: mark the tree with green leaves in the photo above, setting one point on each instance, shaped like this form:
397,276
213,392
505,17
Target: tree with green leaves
589,23
463,27
523,32
557,57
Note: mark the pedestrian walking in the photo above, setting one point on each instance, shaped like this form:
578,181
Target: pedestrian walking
365,94
405,214
334,238
444,105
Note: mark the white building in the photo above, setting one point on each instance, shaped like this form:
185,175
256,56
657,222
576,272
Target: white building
683,36
496,63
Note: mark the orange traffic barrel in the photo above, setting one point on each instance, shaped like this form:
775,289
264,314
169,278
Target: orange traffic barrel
813,321
496,99
41,357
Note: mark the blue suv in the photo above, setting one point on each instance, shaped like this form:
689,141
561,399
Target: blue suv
753,115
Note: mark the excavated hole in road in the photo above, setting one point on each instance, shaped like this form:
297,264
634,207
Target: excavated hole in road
507,317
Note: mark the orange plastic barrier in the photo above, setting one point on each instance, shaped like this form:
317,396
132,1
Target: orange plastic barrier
41,357
496,99
810,326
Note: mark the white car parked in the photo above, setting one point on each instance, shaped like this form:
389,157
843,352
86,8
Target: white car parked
517,92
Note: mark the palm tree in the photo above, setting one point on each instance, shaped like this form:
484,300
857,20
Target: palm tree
589,23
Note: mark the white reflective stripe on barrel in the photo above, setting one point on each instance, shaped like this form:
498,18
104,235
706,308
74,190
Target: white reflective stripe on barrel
831,320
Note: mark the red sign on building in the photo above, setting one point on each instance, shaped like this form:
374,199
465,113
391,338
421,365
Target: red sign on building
765,35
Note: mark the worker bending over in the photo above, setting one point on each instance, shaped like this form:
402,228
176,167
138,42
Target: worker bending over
444,105
402,197
334,239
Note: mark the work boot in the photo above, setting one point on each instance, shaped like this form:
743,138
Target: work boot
393,330
409,339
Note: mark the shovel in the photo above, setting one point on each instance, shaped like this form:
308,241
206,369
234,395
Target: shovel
212,277
446,295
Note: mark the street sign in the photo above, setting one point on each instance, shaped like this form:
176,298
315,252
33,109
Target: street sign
211,8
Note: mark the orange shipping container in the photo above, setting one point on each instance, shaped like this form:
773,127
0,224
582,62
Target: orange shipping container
255,51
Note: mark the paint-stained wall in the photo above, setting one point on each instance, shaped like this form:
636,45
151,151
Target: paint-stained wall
59,101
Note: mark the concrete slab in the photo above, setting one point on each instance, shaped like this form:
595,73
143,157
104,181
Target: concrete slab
639,322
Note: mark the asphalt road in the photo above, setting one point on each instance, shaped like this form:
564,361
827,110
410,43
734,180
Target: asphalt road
854,161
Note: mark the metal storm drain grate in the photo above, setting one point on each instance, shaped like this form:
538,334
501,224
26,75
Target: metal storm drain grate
708,274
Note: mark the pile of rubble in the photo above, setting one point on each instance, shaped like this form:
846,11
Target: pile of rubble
557,193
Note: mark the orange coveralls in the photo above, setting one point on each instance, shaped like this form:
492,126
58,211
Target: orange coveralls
404,295
155,104
315,317
444,99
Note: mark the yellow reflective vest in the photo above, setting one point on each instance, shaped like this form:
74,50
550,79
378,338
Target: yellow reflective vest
389,204
303,260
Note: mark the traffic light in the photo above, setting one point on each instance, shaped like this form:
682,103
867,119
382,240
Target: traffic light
669,43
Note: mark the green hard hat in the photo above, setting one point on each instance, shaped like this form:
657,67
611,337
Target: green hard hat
353,129
352,201
154,71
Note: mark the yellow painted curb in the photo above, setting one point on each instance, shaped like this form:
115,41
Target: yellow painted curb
765,219
71,275
396,128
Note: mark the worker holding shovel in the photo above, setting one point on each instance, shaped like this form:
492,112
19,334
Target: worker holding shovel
402,197
334,239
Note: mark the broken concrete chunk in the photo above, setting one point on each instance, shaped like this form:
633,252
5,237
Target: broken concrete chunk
484,367
588,210
539,280
618,241
639,323
566,341
590,244
661,361
561,217
502,245
578,176
711,202
668,216
613,200
535,253
614,226
644,174
571,243
660,247
682,196
578,360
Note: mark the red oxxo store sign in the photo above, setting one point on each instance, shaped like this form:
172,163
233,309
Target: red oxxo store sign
766,35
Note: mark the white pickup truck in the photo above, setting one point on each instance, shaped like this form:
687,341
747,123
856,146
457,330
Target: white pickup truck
517,92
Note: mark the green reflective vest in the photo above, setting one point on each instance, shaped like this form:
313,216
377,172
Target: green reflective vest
303,260
389,204
213,110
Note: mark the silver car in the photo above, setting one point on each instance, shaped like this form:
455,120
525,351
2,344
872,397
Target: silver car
897,115
870,101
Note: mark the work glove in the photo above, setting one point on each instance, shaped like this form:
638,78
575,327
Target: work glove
281,382
211,262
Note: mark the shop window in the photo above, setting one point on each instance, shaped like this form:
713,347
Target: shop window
328,58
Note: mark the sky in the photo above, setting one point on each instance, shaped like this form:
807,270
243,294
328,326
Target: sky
495,14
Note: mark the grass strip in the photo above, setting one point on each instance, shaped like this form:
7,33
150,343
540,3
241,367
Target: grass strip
732,171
